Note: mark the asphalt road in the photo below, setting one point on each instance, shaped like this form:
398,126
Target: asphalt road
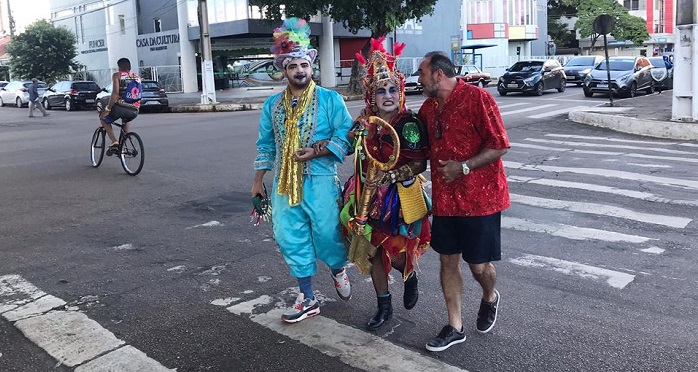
598,269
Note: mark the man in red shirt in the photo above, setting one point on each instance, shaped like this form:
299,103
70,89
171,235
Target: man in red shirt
467,139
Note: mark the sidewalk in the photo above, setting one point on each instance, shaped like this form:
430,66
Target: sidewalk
237,99
645,115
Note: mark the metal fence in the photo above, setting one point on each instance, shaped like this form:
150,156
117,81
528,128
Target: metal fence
169,77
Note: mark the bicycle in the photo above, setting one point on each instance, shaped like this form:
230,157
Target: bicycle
130,150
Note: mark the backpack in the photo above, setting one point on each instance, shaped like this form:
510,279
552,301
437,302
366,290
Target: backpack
133,90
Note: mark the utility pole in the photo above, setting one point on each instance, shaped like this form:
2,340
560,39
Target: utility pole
11,19
208,94
684,101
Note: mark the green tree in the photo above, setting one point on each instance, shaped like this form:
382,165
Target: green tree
380,17
43,50
627,27
557,31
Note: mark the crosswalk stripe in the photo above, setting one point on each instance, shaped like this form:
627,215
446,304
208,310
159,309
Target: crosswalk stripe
511,105
602,189
613,278
357,348
526,109
610,139
570,232
556,112
666,181
515,145
601,210
68,336
615,146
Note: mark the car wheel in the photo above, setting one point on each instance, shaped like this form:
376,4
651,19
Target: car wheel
45,103
480,84
68,105
2,103
539,89
633,90
563,85
502,92
18,102
588,93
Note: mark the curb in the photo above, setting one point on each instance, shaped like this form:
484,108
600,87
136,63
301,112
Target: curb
625,124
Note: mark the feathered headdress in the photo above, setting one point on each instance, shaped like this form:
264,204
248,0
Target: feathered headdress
380,68
291,41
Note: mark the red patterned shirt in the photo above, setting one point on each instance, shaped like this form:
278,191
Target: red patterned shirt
469,122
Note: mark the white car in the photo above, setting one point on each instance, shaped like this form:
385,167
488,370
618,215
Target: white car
411,84
17,93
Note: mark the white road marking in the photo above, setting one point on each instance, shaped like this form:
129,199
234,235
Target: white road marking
515,145
653,250
207,224
613,145
225,301
610,139
555,112
68,336
570,232
615,279
124,247
354,347
650,165
512,105
606,173
602,210
538,107
603,189
177,269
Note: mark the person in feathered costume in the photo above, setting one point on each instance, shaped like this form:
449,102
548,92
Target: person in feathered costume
399,237
303,135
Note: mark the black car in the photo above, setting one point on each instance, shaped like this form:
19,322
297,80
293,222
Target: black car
577,68
533,77
153,96
663,76
71,95
628,76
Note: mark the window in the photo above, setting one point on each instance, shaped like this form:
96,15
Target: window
158,24
122,24
631,4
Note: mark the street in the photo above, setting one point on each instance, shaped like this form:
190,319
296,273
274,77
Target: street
165,269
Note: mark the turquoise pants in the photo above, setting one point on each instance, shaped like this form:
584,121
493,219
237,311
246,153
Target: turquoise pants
310,230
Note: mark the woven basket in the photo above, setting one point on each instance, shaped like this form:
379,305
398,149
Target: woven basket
412,202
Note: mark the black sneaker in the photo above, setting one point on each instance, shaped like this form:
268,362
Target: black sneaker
487,315
447,337
113,149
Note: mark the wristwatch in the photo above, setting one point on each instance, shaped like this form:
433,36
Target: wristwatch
466,170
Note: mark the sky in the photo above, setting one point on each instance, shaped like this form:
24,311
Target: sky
26,12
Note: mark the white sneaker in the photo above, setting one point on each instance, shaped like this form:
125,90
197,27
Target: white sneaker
303,308
342,285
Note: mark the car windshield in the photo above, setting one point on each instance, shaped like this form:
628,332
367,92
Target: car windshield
526,66
88,85
581,61
657,62
150,85
617,65
40,86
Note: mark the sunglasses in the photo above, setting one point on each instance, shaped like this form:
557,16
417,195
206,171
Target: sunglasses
439,130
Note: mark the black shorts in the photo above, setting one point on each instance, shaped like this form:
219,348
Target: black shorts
478,239
126,113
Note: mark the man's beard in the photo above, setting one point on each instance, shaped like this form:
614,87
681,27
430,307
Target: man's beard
294,83
431,91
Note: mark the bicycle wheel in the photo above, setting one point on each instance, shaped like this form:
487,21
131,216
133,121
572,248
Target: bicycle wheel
131,154
97,147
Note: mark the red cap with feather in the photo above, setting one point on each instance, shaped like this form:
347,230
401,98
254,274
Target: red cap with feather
381,68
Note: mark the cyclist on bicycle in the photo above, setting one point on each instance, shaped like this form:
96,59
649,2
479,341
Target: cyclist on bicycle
124,102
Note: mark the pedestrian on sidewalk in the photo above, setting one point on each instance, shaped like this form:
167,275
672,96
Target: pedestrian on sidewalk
303,134
467,139
398,235
34,98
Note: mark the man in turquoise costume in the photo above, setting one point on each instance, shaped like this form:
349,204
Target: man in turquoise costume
302,136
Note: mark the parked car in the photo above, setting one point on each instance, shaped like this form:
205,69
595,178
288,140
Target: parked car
577,68
533,77
411,83
3,83
17,93
71,94
153,96
663,77
628,75
473,75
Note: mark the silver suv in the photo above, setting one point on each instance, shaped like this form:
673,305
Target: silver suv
17,93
